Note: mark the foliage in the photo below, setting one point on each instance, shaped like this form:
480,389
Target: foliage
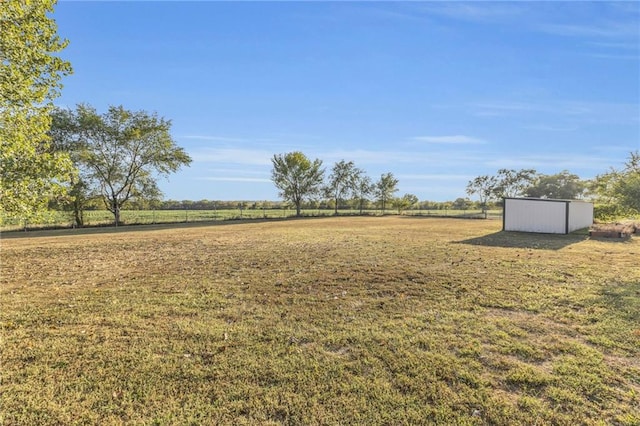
563,185
120,152
363,321
363,189
82,190
297,177
404,203
385,188
484,187
621,188
461,204
30,73
512,183
343,181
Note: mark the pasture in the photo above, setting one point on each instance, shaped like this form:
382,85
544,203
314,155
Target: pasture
92,218
327,321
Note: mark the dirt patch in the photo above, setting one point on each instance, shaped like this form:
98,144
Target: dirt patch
614,230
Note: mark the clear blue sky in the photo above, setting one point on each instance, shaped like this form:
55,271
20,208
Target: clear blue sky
436,93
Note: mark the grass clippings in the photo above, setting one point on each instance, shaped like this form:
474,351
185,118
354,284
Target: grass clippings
321,321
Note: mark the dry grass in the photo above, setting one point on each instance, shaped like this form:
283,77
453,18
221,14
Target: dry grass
319,321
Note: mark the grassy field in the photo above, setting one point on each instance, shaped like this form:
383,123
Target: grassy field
92,218
361,320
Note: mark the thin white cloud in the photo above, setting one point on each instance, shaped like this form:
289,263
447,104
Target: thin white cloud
603,29
454,139
616,45
254,157
226,139
600,112
548,128
484,12
614,56
235,179
432,176
557,161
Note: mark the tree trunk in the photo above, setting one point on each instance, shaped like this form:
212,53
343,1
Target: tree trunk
78,217
77,214
116,213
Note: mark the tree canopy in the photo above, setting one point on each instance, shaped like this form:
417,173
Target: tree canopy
484,186
343,181
30,72
385,188
120,153
620,189
513,183
296,177
563,185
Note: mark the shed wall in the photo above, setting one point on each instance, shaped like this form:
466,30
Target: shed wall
580,215
535,216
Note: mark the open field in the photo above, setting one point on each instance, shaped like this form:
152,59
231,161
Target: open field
61,219
353,320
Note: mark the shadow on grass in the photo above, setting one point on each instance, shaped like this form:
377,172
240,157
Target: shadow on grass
624,300
526,240
137,227
140,227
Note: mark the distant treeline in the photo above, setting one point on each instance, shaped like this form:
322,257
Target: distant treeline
458,204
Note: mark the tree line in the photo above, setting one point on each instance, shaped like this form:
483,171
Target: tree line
300,179
616,193
319,204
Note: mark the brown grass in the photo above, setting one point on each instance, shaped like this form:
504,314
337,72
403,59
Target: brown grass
319,321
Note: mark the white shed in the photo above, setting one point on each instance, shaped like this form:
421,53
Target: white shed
546,215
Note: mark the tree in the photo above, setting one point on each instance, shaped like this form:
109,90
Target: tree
342,181
297,177
405,202
364,187
512,183
81,190
563,185
30,72
120,152
461,204
485,187
621,188
385,188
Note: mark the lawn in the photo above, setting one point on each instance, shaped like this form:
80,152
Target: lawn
348,320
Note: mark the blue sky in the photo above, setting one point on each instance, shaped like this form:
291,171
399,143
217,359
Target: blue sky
436,93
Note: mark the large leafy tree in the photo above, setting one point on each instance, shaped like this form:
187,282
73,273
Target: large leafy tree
296,177
342,182
120,153
82,189
30,71
563,185
513,183
385,188
620,189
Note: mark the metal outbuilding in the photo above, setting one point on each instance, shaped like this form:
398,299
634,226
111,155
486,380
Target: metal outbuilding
546,216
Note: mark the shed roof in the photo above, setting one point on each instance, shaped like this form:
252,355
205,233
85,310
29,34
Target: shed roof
559,200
